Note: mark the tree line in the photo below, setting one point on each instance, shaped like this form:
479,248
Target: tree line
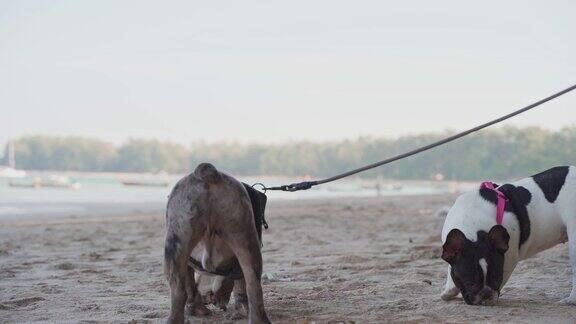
500,153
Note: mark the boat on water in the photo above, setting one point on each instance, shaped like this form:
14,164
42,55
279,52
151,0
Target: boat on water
53,181
9,170
144,183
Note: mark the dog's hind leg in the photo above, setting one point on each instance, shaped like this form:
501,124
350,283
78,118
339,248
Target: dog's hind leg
571,230
176,253
246,247
450,290
181,237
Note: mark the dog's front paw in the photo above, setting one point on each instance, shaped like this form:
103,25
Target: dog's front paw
449,294
197,309
240,301
571,300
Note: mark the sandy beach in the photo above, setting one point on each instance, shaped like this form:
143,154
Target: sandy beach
362,260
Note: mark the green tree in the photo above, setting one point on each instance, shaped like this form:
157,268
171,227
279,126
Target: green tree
63,153
139,155
499,153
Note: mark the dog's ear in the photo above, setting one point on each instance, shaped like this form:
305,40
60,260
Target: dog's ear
498,238
455,242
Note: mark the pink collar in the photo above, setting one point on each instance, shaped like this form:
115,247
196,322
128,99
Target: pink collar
501,204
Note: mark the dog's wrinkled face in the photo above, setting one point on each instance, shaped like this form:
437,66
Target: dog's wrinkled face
477,268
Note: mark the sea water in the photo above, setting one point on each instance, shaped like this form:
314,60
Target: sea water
105,194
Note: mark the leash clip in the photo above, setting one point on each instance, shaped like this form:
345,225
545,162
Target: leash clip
298,186
290,188
263,187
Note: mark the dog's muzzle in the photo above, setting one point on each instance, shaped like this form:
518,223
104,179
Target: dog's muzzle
487,297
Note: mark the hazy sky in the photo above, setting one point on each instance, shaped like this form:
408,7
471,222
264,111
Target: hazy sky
274,71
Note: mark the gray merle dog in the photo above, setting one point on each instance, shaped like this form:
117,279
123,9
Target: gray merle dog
213,226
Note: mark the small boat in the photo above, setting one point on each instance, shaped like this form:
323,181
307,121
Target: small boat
9,170
140,183
56,181
25,184
53,181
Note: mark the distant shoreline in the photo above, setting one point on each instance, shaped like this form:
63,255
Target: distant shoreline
473,157
105,194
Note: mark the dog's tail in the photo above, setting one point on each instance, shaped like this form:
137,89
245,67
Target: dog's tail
207,173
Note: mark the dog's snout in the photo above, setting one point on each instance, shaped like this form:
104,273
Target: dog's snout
486,296
487,293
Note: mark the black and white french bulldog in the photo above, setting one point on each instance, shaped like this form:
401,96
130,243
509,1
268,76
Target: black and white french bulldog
540,212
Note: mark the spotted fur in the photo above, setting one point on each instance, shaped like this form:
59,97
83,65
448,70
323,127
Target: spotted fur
540,210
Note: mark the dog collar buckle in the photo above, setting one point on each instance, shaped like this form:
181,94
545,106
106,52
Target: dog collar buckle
501,200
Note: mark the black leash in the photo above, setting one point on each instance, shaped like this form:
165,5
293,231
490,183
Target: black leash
309,184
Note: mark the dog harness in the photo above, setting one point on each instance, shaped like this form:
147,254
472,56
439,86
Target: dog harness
501,200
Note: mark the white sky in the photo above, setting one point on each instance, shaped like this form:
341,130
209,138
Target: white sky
272,71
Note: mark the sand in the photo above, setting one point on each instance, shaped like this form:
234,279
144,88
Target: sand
363,260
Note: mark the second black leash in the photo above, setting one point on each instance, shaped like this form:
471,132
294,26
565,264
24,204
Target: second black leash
309,184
